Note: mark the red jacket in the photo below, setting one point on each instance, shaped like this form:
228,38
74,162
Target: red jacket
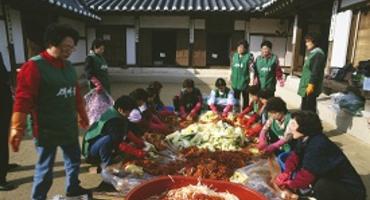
28,84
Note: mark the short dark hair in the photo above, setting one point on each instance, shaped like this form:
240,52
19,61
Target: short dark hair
309,123
276,104
253,90
244,43
267,44
220,82
56,33
188,83
151,92
314,37
97,43
265,94
124,102
156,85
139,94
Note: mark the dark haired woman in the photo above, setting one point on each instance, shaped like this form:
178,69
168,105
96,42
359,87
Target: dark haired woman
310,85
96,67
189,103
47,88
221,99
317,164
242,74
267,68
275,134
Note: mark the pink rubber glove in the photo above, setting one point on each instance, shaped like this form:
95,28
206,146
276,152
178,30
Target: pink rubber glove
97,83
281,82
213,108
224,115
227,109
281,179
196,109
275,146
262,143
182,112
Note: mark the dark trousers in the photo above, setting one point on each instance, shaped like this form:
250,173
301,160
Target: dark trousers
5,115
325,189
238,93
102,150
309,103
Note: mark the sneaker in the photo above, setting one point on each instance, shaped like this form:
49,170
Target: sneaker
79,193
6,186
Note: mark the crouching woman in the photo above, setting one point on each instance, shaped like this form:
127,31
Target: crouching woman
318,165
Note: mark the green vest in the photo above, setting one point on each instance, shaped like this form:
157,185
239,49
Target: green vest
56,104
100,69
256,107
266,68
276,131
224,95
240,71
306,73
96,128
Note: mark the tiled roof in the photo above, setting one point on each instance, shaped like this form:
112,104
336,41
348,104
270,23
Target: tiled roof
176,5
76,6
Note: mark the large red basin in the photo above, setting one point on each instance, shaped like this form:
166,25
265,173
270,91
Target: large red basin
161,184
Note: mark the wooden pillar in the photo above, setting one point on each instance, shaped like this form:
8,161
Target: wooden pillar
296,43
137,40
191,41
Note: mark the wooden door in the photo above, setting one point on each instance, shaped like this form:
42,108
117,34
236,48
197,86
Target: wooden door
115,44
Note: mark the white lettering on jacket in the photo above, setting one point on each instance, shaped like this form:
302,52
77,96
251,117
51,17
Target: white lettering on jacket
67,92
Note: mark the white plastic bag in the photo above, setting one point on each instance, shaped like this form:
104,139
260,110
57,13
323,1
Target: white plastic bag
257,177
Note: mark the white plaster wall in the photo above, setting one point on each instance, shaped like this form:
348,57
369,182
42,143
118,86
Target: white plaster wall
269,26
79,54
91,35
118,20
341,37
175,22
200,24
4,45
130,46
17,34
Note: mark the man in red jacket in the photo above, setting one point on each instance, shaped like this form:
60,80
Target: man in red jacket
47,88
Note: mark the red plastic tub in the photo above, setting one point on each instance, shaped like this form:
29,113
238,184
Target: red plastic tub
161,184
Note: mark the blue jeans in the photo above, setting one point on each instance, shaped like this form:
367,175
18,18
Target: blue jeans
43,178
102,149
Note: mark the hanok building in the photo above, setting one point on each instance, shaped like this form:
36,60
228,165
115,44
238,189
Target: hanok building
187,33
23,23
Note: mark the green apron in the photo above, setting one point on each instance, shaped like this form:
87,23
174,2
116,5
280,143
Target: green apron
56,104
306,73
96,129
266,71
277,132
240,71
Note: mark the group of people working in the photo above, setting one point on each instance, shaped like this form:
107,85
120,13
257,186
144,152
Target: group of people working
47,88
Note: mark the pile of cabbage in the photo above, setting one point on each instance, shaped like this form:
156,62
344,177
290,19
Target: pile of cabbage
212,136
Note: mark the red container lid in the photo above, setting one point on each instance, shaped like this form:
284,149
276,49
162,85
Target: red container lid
164,183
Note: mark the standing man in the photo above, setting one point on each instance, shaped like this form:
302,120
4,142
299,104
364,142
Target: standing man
310,85
5,115
47,88
242,72
267,68
96,67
